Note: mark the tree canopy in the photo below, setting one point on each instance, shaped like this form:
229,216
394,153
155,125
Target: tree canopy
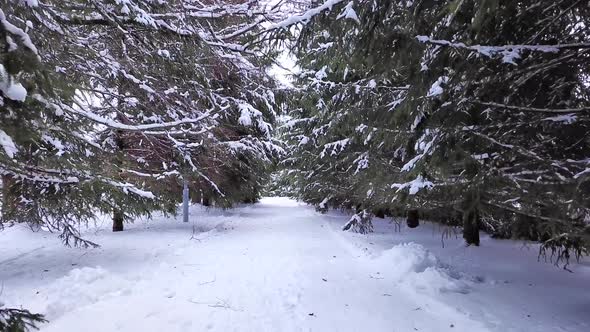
473,112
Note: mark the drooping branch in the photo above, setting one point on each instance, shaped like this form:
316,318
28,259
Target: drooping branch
304,17
489,50
534,109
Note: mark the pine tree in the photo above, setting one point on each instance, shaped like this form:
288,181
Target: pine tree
121,96
18,320
473,112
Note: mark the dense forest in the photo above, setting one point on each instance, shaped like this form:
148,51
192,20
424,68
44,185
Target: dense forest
469,113
466,113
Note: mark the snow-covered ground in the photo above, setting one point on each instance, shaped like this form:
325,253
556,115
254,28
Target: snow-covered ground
280,266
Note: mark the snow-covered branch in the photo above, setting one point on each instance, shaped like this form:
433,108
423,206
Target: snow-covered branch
305,17
509,53
533,109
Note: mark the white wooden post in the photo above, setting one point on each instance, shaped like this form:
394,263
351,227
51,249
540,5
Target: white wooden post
185,201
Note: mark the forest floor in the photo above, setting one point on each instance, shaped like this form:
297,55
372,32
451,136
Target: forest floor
280,266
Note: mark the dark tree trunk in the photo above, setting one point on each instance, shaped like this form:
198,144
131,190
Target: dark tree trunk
249,200
10,195
206,201
413,220
471,227
380,213
118,218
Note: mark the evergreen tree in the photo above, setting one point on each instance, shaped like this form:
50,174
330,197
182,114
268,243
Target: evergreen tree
108,100
473,112
18,320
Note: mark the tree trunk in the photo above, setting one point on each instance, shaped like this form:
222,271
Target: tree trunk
118,218
379,213
249,200
471,227
10,195
413,220
206,201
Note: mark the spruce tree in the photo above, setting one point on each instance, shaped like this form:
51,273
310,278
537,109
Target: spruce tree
124,96
19,320
473,112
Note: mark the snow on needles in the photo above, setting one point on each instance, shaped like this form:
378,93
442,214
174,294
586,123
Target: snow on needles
336,147
10,89
509,53
14,30
7,144
415,185
305,17
565,118
349,13
32,3
436,88
247,112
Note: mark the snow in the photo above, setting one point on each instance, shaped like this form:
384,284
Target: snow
130,188
419,269
410,164
10,89
362,162
578,175
247,112
436,88
414,186
303,141
32,3
245,118
417,120
14,30
114,124
323,203
56,143
305,17
336,147
349,13
564,118
164,53
421,145
7,144
321,74
14,91
509,53
280,266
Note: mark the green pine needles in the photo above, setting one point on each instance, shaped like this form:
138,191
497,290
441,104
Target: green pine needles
476,113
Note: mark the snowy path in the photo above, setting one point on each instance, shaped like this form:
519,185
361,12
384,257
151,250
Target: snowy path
275,266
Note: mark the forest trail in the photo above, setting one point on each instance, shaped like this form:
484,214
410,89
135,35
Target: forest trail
274,266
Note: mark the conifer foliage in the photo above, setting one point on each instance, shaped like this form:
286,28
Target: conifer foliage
108,105
17,320
473,112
